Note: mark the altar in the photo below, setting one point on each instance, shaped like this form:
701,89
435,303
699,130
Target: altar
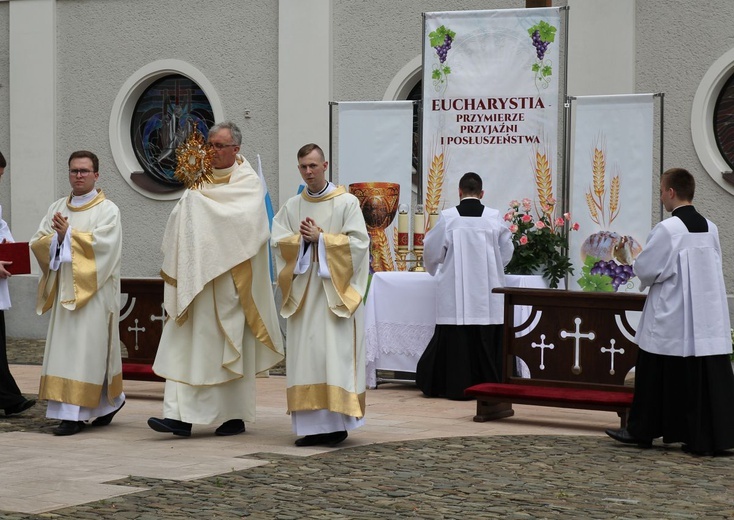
400,317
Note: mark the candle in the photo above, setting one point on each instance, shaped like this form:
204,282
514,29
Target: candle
432,220
403,230
419,227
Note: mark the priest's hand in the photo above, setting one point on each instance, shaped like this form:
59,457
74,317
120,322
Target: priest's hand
309,230
60,224
4,273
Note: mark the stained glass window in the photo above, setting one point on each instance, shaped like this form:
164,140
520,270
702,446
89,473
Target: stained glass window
164,116
724,122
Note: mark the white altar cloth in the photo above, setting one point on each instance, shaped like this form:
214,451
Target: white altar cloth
400,317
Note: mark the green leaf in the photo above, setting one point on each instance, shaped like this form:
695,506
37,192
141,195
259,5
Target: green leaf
446,70
436,74
547,32
438,36
547,70
535,67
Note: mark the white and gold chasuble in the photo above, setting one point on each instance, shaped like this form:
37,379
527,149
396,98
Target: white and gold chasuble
325,364
223,325
83,344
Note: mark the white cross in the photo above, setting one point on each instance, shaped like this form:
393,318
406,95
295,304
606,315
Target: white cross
613,351
136,329
578,336
542,346
161,318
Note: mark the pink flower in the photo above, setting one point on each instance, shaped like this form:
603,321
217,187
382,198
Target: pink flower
567,216
523,240
514,204
526,204
509,216
539,224
513,228
559,221
575,226
551,201
527,218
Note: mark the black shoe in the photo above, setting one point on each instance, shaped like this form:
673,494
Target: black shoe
698,453
622,435
328,439
170,426
22,407
106,419
68,428
231,427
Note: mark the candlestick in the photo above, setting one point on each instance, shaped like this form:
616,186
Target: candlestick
403,227
432,220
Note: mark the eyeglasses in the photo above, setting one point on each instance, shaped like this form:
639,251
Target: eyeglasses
219,146
82,173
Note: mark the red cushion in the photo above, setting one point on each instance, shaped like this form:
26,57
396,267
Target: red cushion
139,372
548,393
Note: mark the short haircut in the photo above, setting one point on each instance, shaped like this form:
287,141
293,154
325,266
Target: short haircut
681,181
470,184
234,131
85,154
3,164
308,148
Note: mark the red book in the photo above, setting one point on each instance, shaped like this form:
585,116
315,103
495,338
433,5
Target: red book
19,254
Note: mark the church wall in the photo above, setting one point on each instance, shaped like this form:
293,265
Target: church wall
4,107
102,43
672,58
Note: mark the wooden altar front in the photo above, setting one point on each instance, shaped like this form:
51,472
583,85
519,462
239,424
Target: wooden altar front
141,323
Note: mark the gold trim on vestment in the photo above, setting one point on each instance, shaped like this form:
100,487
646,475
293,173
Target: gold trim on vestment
289,249
42,251
242,275
96,200
84,267
80,393
168,279
221,180
325,397
223,332
339,260
340,190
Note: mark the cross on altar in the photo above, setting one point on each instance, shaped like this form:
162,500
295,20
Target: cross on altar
136,329
613,351
578,336
161,317
542,346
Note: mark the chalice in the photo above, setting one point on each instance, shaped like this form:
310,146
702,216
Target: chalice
379,203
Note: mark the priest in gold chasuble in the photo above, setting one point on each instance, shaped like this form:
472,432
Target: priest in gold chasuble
222,326
78,247
321,248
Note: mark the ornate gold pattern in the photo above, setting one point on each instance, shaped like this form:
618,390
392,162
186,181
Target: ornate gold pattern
242,275
194,161
80,393
322,396
379,204
339,258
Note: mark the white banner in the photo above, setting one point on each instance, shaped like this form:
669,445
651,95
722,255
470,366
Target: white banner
611,189
375,145
490,102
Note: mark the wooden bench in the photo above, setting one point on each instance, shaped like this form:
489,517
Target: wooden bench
578,347
141,325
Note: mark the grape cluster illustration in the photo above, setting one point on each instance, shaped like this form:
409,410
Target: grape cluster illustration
443,49
538,43
617,272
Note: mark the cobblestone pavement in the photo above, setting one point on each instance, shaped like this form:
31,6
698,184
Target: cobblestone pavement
515,477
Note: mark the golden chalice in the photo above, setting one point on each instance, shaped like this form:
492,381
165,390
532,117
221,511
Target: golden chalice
379,203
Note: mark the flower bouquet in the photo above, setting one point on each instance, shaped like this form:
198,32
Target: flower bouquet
541,242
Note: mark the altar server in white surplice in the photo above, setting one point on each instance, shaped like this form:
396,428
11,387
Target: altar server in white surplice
321,248
467,252
78,247
222,326
684,384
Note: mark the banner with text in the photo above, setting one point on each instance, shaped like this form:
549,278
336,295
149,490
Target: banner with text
611,189
490,103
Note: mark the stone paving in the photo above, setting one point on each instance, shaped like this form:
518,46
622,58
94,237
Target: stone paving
498,476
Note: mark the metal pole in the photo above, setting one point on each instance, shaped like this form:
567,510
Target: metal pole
331,132
661,95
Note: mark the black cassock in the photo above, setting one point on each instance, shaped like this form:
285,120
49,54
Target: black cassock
684,399
460,356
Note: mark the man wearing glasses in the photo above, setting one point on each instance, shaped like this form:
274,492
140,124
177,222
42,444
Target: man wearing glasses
222,328
78,247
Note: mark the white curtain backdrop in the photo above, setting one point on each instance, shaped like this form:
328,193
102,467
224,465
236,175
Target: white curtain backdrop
491,106
611,181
